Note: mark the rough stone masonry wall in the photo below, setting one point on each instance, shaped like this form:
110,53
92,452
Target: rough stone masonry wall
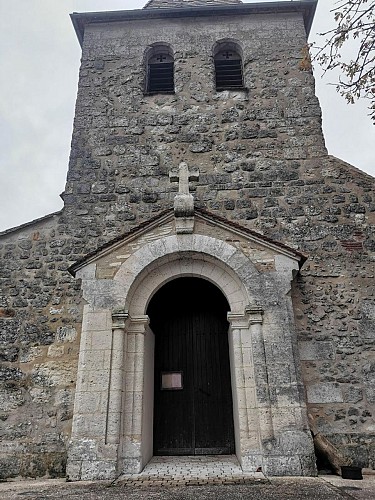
262,163
40,314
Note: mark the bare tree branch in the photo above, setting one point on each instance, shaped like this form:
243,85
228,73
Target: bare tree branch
356,26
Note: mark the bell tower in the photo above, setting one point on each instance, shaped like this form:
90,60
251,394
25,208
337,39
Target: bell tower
192,116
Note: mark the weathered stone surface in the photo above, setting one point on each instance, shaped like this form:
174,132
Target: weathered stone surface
324,393
262,164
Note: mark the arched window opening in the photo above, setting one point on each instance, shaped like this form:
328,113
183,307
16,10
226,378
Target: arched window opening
228,69
160,71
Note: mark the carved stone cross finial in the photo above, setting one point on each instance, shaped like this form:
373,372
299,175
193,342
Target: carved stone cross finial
184,201
183,176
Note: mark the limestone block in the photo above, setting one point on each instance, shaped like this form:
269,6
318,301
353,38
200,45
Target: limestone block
247,356
251,443
294,442
87,272
310,351
240,378
99,470
55,351
261,373
237,260
66,334
132,447
113,424
83,449
242,400
94,381
287,395
100,292
243,418
92,427
92,359
101,339
328,392
285,266
132,397
55,373
73,470
131,465
107,451
279,374
251,462
97,321
249,377
282,466
237,356
251,397
131,345
10,400
27,355
90,402
246,340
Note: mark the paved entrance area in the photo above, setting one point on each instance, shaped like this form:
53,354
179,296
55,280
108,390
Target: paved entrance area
191,470
276,488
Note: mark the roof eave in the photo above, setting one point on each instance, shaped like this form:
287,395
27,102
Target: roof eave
306,7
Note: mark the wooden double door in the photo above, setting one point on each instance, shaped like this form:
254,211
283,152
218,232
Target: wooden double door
193,412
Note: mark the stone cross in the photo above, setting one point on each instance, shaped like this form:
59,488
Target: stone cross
183,176
184,201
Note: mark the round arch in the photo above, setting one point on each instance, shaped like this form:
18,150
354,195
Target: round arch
202,256
165,269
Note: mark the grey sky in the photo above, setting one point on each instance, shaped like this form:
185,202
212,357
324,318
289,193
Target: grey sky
39,60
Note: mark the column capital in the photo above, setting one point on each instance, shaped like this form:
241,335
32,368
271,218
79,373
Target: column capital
119,317
251,315
137,324
255,314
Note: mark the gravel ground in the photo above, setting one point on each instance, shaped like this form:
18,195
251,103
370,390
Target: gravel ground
327,487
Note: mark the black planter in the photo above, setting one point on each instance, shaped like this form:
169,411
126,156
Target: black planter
350,472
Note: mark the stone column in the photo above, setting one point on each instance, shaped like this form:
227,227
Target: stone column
247,420
133,402
261,374
116,378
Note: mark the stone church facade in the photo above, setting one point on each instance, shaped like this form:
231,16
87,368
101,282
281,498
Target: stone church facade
197,157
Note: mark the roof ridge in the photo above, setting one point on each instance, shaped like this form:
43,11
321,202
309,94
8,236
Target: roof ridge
171,4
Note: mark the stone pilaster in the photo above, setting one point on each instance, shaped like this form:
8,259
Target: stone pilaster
115,392
131,459
248,425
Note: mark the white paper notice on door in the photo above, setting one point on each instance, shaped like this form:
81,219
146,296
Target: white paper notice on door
171,381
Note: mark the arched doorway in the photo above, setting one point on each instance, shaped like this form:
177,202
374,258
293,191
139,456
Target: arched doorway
193,411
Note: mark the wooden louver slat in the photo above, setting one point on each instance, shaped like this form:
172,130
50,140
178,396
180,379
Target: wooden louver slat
160,77
228,74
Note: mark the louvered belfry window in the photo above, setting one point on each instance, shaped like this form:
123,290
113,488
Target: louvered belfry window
228,70
160,72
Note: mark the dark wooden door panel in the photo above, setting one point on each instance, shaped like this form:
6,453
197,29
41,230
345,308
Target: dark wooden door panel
192,339
174,413
213,398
